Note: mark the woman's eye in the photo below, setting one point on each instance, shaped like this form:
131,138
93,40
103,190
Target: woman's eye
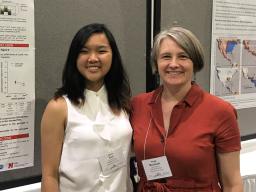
102,51
84,51
166,56
183,57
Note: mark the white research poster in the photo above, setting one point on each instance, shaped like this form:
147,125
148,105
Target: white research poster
17,84
233,55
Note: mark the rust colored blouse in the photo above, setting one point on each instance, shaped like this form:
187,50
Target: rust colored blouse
201,125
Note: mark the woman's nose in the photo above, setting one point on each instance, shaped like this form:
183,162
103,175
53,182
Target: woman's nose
93,57
173,62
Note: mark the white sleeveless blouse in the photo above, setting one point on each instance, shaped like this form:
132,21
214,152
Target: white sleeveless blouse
91,132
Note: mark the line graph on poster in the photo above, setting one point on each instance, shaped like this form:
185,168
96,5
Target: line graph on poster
12,78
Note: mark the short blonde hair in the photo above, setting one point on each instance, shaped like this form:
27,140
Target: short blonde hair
186,40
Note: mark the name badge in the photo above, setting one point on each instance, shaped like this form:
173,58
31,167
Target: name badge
112,161
156,168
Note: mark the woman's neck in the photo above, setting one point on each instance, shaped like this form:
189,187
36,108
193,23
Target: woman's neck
94,86
175,94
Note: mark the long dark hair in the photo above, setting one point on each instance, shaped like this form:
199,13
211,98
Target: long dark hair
116,80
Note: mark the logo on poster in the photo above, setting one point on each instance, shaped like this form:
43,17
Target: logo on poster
1,166
10,165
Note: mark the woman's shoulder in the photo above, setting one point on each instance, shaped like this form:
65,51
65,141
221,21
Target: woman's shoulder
218,103
215,99
55,115
142,97
57,102
56,106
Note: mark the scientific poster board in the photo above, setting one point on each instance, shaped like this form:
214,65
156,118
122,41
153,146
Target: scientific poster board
17,84
233,61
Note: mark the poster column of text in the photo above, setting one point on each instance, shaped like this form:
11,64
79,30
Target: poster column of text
17,84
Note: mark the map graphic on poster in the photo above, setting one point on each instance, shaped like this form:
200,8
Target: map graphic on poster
227,62
233,52
248,80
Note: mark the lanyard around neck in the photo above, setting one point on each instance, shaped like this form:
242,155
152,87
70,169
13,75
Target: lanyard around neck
146,137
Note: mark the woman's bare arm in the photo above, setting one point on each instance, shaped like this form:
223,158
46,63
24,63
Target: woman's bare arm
229,168
52,135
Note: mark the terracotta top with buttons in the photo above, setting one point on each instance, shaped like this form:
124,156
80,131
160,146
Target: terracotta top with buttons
201,125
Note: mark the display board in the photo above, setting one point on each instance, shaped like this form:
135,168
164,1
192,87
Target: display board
56,22
196,15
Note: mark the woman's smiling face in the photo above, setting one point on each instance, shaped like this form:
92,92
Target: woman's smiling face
174,65
94,60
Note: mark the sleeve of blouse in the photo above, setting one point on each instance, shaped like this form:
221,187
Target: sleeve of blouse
228,133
